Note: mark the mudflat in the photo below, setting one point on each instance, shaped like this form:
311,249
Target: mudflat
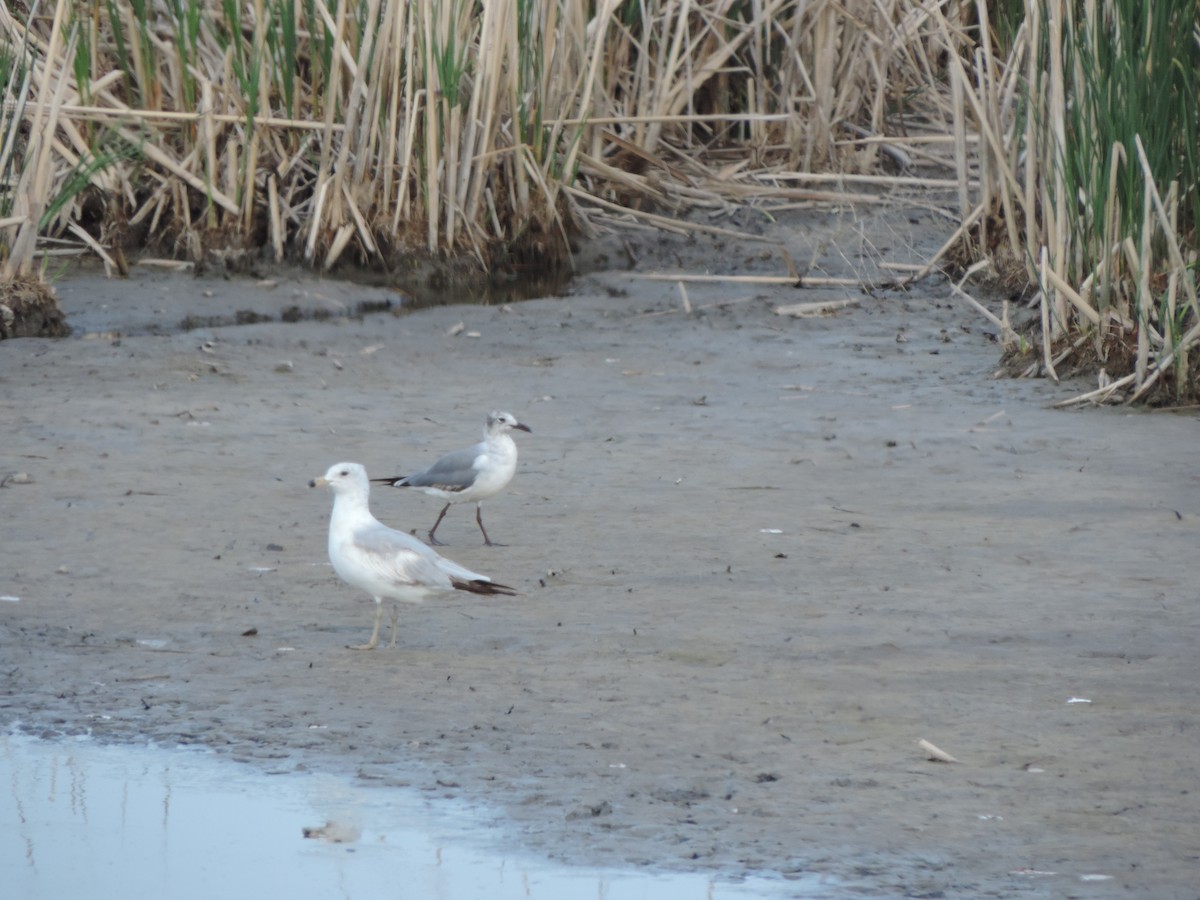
759,558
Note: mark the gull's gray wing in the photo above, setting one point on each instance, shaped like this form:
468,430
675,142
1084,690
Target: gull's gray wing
454,570
401,559
456,471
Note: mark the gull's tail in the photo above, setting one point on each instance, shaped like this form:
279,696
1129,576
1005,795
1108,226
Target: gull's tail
479,586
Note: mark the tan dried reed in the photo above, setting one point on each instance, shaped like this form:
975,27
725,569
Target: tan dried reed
365,127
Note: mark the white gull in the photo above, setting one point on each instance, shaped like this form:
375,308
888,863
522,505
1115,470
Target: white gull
382,561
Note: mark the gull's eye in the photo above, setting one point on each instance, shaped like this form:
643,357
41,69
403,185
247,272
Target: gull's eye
344,472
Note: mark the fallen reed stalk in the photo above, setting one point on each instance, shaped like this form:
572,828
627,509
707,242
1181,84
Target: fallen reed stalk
797,281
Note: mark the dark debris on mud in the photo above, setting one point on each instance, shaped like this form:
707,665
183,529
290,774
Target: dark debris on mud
29,308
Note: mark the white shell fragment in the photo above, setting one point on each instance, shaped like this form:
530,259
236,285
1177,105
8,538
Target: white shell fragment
935,753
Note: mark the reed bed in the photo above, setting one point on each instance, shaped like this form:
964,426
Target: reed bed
494,132
1089,185
487,136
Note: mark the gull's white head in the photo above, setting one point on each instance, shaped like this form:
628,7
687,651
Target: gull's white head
343,478
500,422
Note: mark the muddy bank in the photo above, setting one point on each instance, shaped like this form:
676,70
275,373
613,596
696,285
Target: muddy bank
759,558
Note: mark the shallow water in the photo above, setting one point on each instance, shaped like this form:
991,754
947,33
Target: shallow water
82,819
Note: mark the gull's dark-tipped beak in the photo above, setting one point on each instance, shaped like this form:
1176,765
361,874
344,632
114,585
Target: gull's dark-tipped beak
521,426
318,482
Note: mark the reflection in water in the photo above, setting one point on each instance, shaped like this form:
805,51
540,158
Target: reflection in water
85,820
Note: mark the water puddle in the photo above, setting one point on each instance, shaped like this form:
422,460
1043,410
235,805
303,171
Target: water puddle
83,819
154,303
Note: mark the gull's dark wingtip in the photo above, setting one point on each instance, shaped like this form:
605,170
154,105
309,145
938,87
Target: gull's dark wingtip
488,588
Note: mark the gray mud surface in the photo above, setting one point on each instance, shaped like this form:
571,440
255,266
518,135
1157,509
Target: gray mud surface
759,558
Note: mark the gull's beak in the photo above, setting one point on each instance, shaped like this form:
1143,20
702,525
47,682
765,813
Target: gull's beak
521,426
318,482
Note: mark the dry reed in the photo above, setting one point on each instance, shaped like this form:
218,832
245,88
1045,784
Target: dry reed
1089,185
379,131
373,129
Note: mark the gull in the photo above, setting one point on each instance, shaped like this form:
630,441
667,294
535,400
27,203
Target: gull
384,562
471,474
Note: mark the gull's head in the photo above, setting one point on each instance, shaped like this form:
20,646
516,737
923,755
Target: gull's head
343,477
500,422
